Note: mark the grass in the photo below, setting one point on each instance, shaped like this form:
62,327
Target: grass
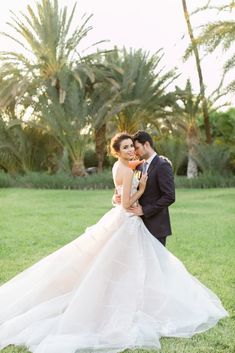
33,223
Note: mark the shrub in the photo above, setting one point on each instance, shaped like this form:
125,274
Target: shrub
175,149
90,159
6,180
205,182
64,181
102,181
213,159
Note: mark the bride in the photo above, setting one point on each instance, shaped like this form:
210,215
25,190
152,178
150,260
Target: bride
112,288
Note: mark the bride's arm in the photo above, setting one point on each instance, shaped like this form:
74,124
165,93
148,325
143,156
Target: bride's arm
127,199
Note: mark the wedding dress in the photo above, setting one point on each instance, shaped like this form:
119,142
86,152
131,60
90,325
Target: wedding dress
112,288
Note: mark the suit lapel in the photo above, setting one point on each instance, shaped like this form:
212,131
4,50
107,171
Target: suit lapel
151,167
152,164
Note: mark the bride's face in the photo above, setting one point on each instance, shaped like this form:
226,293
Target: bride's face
127,149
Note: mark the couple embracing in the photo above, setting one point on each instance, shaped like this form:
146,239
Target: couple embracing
115,286
159,192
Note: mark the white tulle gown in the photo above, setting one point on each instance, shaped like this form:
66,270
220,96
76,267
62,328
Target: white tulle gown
112,288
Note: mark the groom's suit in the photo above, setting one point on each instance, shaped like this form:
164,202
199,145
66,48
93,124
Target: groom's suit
158,195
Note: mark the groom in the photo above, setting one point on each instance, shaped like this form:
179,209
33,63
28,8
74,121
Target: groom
160,190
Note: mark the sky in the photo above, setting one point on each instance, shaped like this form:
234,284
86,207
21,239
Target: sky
148,24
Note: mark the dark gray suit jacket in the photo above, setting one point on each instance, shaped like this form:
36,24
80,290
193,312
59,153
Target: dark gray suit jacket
158,195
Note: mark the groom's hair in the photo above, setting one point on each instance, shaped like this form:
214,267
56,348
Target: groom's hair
142,137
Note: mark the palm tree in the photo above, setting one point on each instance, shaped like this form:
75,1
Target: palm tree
15,148
174,147
104,103
48,46
101,103
140,86
218,34
199,70
109,101
68,122
187,111
50,70
125,94
25,148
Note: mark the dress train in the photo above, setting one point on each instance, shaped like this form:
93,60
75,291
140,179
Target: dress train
112,288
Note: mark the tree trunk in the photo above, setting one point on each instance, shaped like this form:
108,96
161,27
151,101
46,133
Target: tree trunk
192,142
199,70
100,144
192,170
78,168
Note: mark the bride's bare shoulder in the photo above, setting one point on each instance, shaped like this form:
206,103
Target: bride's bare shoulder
121,170
115,165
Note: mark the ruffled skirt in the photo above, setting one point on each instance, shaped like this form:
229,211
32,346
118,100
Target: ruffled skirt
112,288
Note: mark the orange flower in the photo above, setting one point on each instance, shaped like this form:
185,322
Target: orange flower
134,164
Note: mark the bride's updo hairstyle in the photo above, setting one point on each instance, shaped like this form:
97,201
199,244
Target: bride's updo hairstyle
116,142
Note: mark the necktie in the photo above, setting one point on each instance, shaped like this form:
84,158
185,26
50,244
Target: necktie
145,167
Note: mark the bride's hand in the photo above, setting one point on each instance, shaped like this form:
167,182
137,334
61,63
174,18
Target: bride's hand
143,181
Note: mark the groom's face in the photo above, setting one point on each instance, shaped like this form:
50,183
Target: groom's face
140,150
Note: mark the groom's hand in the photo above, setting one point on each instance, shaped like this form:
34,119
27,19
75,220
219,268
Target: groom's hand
137,210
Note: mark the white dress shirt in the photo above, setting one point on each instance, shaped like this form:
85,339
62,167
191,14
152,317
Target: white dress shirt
149,160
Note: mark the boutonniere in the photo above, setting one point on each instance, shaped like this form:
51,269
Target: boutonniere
137,174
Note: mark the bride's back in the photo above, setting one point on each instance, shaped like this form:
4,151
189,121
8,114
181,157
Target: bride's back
119,171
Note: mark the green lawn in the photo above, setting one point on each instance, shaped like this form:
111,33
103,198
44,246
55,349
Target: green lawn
34,223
